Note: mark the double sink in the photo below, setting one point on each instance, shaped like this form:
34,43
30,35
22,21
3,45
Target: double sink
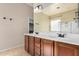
61,39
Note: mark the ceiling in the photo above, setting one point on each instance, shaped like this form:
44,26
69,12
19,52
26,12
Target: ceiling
59,8
55,8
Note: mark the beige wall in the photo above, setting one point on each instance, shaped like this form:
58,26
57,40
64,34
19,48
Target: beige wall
41,22
12,32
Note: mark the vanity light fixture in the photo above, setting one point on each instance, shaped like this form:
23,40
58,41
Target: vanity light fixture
38,8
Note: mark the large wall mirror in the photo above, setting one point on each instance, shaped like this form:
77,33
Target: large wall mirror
61,17
68,23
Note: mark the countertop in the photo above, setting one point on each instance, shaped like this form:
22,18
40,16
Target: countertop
59,39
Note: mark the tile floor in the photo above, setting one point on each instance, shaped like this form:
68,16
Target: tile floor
14,52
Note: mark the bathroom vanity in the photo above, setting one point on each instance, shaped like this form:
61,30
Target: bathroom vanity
40,45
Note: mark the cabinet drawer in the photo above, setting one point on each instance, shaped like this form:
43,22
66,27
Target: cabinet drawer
37,45
37,39
47,41
37,42
37,51
31,37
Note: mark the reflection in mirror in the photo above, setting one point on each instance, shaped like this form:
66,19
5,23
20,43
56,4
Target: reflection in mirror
68,22
65,18
66,27
55,24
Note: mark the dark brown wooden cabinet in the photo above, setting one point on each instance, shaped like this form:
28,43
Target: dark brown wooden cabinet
77,50
37,46
47,47
31,45
64,49
26,43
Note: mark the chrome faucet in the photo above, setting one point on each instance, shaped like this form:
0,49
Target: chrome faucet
60,35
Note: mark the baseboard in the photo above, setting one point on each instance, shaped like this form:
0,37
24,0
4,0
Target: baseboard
17,46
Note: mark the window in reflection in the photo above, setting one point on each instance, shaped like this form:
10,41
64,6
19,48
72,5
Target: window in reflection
55,24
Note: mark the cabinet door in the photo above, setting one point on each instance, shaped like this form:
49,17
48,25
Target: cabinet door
46,47
77,51
63,49
26,42
37,46
31,45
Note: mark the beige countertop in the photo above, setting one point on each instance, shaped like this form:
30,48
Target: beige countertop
59,39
